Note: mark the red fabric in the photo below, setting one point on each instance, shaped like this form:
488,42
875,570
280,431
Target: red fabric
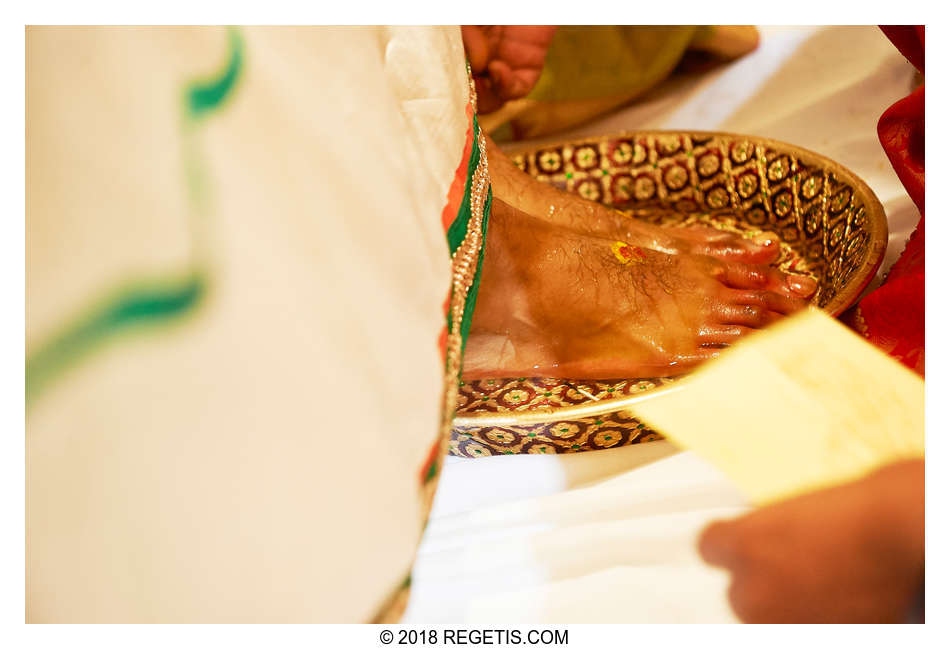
892,316
901,131
909,39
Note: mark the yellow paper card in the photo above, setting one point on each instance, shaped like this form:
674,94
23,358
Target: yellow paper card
802,405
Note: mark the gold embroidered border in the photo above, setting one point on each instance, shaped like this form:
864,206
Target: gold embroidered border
464,267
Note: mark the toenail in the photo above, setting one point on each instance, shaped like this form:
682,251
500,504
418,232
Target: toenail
801,284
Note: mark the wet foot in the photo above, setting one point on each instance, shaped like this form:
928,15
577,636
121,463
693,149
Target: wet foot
568,211
558,303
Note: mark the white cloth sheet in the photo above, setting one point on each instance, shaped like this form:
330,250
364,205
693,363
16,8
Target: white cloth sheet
610,536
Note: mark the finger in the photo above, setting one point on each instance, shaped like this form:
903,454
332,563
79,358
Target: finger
502,77
541,35
521,54
512,84
740,599
476,47
716,545
488,100
772,301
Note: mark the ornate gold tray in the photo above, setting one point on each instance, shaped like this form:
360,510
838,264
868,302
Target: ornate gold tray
831,225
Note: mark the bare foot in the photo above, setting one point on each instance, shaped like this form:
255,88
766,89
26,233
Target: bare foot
555,302
543,201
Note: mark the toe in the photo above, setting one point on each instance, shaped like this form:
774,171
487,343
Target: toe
766,278
784,304
747,315
744,276
722,334
729,246
801,285
748,251
700,355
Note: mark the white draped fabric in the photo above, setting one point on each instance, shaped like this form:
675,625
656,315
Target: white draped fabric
257,459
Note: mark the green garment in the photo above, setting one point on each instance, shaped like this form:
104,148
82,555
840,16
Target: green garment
588,62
